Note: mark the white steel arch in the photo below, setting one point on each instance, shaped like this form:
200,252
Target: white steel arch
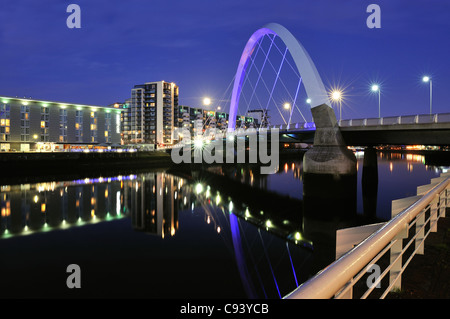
310,77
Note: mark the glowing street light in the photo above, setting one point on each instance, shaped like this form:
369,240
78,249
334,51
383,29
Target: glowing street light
308,101
287,106
427,79
336,96
376,88
206,101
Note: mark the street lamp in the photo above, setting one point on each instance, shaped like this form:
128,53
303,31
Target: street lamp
336,96
206,101
287,106
428,79
376,88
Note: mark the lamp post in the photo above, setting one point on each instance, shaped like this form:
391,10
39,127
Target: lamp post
337,97
287,106
376,88
428,79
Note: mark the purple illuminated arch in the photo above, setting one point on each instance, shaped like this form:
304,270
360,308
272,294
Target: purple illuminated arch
310,77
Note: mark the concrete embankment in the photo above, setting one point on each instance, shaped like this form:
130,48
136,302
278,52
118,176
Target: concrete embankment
19,165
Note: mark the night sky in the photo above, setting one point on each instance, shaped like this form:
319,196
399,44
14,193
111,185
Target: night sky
198,43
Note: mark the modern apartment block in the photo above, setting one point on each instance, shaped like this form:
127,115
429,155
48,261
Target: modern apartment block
149,116
28,124
194,118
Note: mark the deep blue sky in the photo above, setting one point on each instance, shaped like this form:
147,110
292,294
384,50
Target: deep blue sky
198,43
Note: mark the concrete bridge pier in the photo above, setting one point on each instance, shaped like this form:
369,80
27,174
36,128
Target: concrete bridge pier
329,186
329,154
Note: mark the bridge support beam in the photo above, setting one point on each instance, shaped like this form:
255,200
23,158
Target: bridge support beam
329,154
329,187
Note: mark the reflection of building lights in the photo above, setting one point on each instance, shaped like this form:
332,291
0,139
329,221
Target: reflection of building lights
218,199
36,198
198,188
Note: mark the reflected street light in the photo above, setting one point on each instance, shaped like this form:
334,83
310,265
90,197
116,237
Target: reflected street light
428,79
376,88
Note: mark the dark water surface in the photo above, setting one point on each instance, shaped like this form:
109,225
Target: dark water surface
160,234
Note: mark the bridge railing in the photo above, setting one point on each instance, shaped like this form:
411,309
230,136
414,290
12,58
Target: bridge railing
392,246
389,120
393,120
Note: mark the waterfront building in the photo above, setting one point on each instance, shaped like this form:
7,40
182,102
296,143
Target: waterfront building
149,117
194,118
40,125
182,117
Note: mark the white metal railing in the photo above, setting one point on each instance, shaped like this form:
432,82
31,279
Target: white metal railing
391,120
386,247
394,120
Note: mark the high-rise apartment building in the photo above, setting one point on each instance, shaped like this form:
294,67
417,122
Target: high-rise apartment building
149,118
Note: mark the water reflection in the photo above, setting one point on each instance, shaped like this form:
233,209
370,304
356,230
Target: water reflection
274,241
265,247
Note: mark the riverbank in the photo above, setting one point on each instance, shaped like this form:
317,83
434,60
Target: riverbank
26,167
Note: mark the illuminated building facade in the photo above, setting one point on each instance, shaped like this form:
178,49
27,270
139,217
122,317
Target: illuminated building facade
37,125
149,118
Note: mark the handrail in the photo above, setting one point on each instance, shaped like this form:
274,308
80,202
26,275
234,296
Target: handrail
333,278
382,121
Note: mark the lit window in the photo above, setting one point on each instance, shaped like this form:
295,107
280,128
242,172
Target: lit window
42,124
